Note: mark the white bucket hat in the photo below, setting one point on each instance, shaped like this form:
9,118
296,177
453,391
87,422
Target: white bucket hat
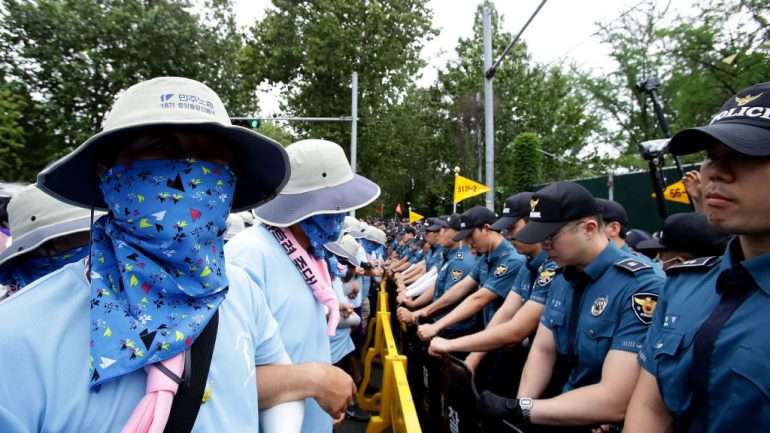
375,235
347,248
235,225
262,167
321,182
35,218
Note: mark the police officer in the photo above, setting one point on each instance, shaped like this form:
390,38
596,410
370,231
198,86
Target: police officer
459,263
685,236
493,276
597,319
616,228
519,315
705,360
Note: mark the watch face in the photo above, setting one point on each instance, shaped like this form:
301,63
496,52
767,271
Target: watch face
525,403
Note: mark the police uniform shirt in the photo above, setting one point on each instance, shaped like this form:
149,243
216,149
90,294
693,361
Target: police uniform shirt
459,263
738,383
436,258
496,272
644,259
415,256
611,310
534,278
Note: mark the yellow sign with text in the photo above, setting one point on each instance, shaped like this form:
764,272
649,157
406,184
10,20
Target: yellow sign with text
467,188
676,192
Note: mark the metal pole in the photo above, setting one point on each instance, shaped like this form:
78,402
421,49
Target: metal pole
354,128
489,128
354,124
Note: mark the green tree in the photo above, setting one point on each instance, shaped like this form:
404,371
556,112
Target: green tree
11,131
72,57
523,159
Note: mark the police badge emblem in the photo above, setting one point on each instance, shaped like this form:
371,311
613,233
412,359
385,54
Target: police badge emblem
545,277
456,274
501,270
600,304
644,306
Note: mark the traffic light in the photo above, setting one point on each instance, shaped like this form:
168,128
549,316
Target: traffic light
246,122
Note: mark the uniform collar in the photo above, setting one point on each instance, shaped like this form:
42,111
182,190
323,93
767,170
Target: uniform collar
757,266
503,249
603,261
535,262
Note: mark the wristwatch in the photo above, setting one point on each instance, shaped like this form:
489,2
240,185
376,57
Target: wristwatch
525,404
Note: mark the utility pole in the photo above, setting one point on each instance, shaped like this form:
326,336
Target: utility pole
489,112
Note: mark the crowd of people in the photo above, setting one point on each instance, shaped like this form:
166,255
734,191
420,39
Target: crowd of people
177,273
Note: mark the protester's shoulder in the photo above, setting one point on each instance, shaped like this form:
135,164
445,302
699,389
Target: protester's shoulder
64,285
253,244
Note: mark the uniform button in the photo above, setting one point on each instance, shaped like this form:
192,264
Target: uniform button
659,344
591,331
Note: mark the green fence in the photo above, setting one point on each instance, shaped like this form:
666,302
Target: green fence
634,192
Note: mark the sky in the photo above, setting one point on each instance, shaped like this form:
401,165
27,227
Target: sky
563,31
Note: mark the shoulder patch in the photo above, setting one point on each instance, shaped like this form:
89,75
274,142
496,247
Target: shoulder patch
456,274
545,277
501,270
632,265
644,306
701,263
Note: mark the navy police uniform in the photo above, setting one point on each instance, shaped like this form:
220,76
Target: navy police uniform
607,306
731,392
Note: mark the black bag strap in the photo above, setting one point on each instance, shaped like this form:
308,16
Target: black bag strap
188,400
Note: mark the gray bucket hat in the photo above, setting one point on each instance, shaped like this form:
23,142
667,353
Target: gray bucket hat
345,247
261,167
321,182
35,218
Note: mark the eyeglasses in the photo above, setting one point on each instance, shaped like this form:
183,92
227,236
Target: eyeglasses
550,239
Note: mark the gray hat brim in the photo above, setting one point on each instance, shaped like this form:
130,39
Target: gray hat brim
39,236
288,209
260,164
746,139
337,250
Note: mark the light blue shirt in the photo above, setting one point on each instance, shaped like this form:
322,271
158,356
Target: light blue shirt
301,319
44,332
341,343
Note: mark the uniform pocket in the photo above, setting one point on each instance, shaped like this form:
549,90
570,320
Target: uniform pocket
596,341
753,366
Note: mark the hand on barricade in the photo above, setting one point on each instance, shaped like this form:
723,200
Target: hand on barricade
346,310
405,316
335,390
493,405
439,346
427,331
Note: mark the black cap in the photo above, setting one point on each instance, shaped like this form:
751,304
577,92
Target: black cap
689,232
454,222
555,206
516,206
635,236
437,224
613,211
742,124
410,229
475,217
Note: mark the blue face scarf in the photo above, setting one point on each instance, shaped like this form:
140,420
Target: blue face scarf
322,229
336,268
27,269
157,265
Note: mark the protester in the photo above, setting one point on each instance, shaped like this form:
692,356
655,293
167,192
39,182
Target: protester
285,256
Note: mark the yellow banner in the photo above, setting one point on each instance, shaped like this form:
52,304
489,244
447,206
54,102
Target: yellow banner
414,216
676,192
467,188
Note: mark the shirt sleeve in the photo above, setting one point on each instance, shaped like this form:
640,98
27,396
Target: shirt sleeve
542,284
475,273
521,285
500,279
635,316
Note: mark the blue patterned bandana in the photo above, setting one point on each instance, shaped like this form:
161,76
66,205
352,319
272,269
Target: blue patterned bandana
157,264
26,269
322,229
336,268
